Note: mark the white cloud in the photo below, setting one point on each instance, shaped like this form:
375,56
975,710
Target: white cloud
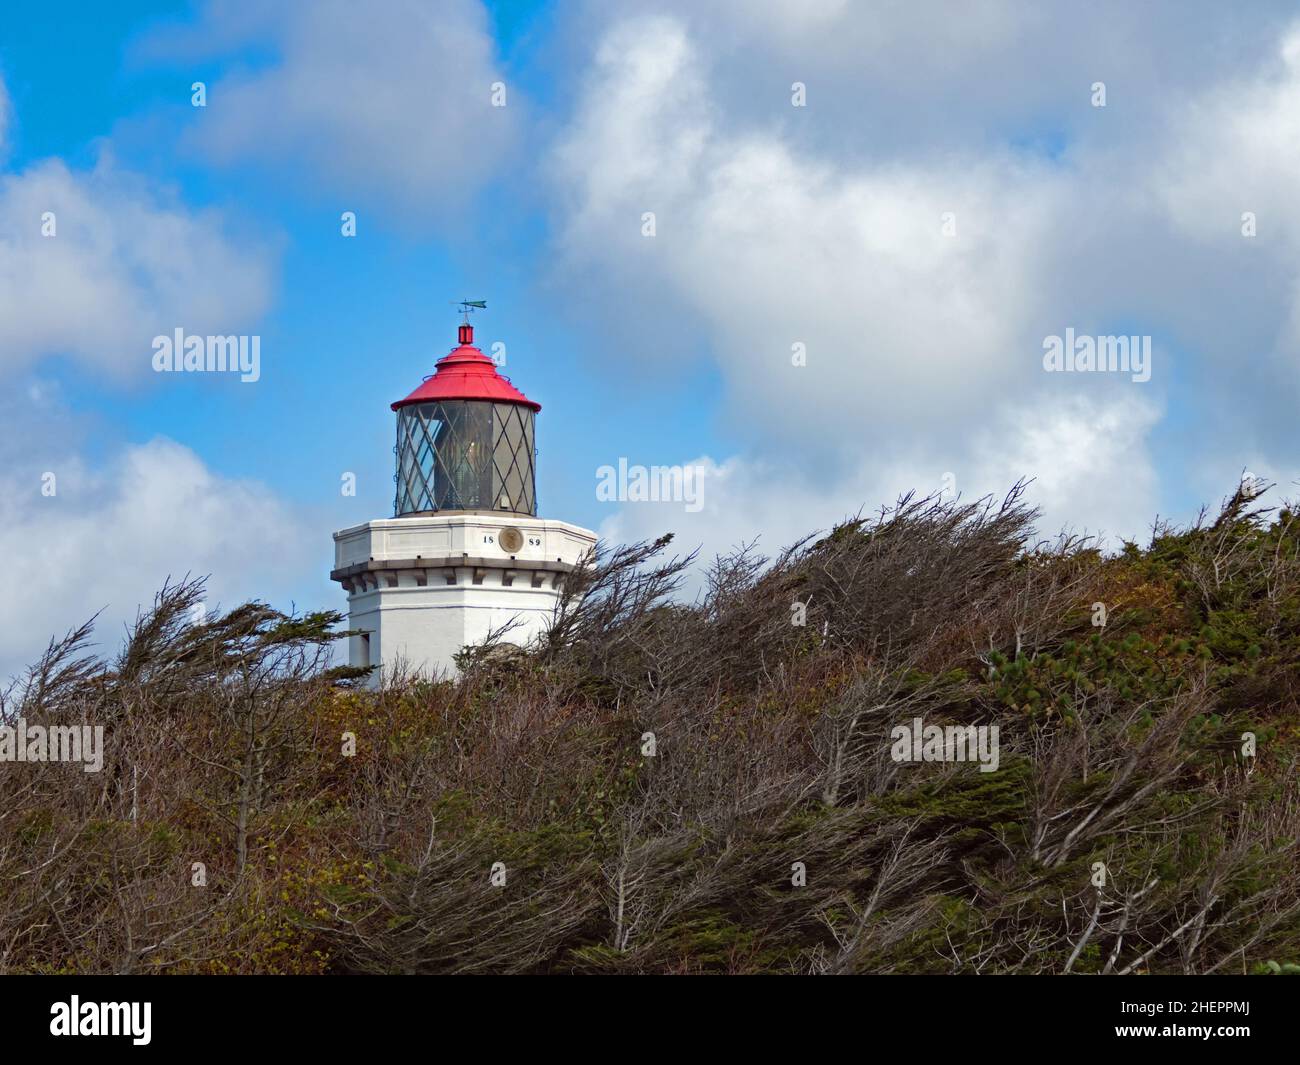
771,248
1237,149
924,350
1233,151
125,264
390,100
111,535
94,264
915,78
1088,459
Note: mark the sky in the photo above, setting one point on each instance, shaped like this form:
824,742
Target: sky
812,249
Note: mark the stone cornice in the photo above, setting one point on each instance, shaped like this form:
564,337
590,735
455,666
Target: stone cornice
450,562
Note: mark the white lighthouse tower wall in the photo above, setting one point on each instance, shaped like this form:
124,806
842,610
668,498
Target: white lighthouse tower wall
421,588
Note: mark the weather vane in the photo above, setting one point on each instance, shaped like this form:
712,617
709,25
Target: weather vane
466,306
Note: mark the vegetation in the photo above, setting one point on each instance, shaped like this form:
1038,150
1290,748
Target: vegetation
640,791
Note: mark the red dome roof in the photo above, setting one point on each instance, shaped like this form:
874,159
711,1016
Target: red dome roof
466,374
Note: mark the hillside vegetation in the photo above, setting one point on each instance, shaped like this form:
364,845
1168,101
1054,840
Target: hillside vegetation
670,788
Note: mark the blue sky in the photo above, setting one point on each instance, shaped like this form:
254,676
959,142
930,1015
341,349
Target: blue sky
354,324
777,225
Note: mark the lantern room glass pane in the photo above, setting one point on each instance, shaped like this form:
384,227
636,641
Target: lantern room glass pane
465,455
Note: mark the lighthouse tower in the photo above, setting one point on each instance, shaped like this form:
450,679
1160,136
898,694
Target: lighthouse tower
465,553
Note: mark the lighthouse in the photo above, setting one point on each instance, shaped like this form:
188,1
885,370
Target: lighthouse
465,553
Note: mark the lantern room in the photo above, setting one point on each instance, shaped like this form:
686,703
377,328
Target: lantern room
465,439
